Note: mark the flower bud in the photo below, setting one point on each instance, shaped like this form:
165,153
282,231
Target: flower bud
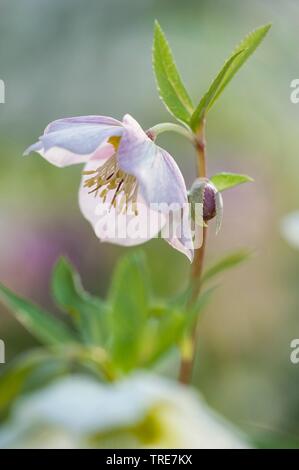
209,202
204,192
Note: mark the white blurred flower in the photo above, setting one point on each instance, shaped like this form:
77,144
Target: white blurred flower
290,228
143,411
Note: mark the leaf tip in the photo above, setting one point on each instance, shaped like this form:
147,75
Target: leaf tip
158,31
62,262
264,30
267,26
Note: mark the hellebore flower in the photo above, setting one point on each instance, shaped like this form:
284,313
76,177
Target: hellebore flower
131,188
142,411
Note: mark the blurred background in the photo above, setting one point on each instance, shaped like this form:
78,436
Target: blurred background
67,58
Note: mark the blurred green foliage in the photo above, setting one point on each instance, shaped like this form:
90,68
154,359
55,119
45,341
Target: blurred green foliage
128,331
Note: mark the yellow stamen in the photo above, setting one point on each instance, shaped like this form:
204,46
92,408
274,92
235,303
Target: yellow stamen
109,177
114,140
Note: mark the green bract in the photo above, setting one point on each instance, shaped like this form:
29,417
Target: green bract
224,181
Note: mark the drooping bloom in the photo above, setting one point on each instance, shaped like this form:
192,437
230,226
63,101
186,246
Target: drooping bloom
131,188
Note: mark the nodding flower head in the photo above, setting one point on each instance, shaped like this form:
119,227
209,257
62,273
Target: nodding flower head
127,178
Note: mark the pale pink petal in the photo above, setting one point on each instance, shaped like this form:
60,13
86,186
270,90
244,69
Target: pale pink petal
177,232
75,140
103,153
122,229
65,123
159,177
61,157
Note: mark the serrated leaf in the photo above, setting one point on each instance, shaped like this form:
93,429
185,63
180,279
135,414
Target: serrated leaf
40,324
230,261
208,97
169,83
239,56
223,181
249,44
87,311
129,302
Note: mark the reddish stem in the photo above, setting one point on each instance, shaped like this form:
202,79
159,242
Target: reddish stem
187,363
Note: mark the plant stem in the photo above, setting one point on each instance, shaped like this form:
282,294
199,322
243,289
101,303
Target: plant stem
197,265
171,127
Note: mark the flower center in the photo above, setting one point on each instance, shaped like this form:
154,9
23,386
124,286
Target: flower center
109,177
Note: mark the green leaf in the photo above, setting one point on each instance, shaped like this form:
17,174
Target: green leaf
208,97
169,83
42,325
248,45
15,377
167,326
228,262
198,306
161,334
129,301
88,312
96,360
171,326
224,181
239,56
